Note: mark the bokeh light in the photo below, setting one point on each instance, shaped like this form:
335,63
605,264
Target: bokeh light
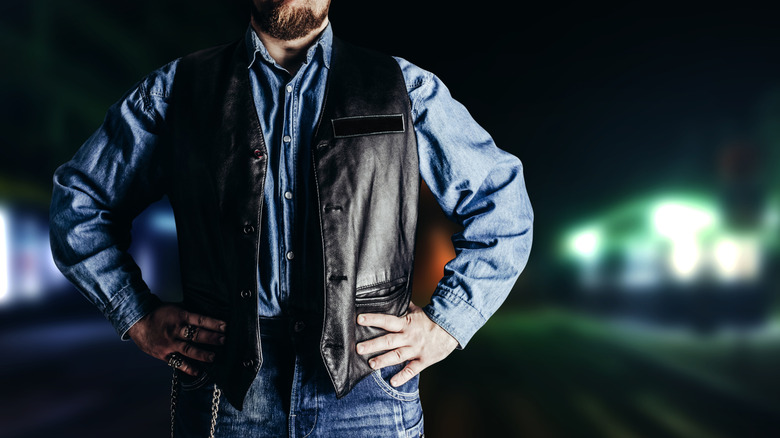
649,139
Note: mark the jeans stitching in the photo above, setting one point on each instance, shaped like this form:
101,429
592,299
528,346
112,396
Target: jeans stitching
316,413
403,396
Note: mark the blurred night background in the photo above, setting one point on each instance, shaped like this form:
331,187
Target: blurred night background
649,136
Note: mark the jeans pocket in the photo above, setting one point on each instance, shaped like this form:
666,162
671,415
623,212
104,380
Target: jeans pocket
416,431
407,392
190,383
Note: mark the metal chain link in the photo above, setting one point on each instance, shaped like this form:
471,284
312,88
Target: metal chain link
214,404
214,409
174,393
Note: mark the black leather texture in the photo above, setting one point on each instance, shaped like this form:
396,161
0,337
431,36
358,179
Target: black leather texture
363,195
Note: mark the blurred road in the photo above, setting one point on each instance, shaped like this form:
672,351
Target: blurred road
551,374
562,375
76,379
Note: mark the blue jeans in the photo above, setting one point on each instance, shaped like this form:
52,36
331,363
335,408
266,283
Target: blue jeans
293,396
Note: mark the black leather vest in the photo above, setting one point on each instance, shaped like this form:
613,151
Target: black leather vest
364,190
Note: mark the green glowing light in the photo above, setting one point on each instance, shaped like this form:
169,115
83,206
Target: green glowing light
586,243
679,237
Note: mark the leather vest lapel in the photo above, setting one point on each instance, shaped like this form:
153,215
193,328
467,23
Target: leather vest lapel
366,181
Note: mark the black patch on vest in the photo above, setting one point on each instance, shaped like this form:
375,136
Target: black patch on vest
367,125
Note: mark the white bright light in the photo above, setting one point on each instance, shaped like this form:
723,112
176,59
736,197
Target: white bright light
686,258
586,243
679,221
727,259
4,262
737,259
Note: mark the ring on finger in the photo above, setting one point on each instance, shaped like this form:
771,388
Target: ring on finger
190,331
175,360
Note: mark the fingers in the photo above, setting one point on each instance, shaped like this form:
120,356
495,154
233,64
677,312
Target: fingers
411,369
171,330
184,366
183,357
203,321
195,334
390,323
391,358
382,343
413,338
190,350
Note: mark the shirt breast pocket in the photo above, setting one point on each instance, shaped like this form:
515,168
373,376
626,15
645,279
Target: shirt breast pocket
368,125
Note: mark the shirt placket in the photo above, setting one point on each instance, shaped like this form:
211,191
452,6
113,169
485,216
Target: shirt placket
287,184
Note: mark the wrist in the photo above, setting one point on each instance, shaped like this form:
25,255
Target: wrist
147,304
137,328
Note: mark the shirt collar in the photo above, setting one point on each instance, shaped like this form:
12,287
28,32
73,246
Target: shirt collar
256,48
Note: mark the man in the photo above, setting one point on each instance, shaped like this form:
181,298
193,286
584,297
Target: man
292,162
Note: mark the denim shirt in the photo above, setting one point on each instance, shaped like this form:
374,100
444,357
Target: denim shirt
107,183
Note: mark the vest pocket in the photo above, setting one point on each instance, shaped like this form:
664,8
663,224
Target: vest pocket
391,298
189,383
380,292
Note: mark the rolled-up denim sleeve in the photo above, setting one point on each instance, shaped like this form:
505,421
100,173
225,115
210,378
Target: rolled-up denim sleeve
98,193
480,187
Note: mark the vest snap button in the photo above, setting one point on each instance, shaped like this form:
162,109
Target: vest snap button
299,326
246,293
249,229
248,363
257,153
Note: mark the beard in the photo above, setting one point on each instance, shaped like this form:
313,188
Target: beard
285,22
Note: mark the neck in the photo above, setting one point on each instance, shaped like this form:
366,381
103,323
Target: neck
289,54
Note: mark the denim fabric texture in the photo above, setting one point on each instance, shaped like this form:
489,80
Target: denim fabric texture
110,180
293,396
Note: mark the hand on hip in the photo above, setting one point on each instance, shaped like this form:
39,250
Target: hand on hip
413,337
178,337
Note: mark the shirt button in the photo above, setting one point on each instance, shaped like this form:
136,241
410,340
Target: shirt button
287,139
249,229
246,293
299,326
288,195
257,153
289,88
290,255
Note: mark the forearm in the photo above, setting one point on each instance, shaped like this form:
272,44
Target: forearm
89,245
491,252
480,187
115,174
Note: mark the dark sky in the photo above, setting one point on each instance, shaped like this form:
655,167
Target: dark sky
601,104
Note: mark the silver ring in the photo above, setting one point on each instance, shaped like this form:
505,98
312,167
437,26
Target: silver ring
175,361
190,331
